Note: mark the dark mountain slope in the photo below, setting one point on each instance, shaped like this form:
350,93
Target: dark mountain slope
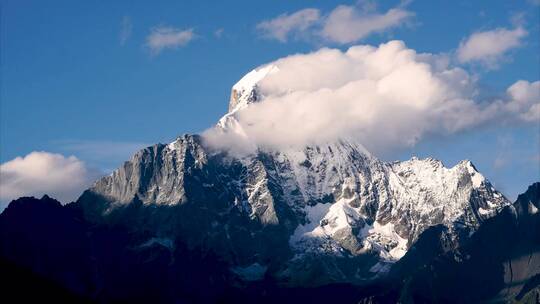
76,259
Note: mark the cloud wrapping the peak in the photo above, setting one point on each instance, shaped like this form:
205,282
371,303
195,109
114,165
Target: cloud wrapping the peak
39,173
162,38
385,97
489,47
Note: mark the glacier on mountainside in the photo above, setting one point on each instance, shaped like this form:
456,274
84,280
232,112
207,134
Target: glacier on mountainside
331,200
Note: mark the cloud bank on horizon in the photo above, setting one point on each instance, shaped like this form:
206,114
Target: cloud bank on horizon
385,97
39,173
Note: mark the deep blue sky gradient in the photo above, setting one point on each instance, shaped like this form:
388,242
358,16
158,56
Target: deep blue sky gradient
68,83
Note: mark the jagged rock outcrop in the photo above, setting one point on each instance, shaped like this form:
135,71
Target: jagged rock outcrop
499,263
328,202
277,220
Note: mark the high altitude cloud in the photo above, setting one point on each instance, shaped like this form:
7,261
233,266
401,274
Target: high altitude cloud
525,100
102,149
39,173
219,32
161,38
344,24
347,24
386,97
489,46
125,30
106,154
280,27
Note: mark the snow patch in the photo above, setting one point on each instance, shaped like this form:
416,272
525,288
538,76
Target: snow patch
314,215
483,211
392,247
532,208
340,215
476,178
173,145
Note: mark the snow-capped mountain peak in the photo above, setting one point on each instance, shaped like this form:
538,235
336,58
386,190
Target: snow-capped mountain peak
333,200
245,90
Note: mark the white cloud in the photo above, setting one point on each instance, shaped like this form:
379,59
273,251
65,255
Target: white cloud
489,47
344,24
280,27
161,38
125,30
219,32
385,97
39,173
106,154
101,149
347,24
525,100
500,161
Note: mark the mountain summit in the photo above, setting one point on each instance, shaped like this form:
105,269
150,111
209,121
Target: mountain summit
329,215
281,211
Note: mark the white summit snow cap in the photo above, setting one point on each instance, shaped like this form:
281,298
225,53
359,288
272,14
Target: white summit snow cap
476,178
244,91
252,78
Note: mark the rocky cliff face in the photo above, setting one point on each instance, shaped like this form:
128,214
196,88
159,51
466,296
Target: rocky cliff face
331,202
336,201
273,221
499,263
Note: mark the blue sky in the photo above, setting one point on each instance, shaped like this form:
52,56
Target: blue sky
78,78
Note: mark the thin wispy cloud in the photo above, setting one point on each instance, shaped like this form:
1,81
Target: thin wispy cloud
505,143
106,154
344,24
102,148
281,27
164,37
125,30
489,47
219,32
347,24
